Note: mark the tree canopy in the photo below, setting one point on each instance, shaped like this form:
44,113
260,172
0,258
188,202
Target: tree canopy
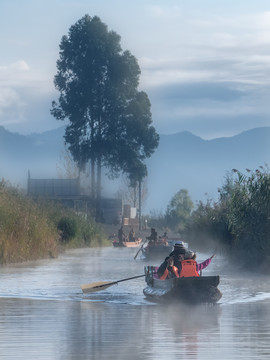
179,210
109,120
239,221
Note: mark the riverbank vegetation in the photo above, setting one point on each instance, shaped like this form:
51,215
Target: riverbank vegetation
176,216
32,230
238,223
240,220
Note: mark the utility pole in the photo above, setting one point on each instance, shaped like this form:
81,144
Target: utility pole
140,205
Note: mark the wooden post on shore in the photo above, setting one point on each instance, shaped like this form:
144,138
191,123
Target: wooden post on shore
140,205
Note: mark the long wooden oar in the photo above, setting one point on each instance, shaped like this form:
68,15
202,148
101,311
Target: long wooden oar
140,249
101,285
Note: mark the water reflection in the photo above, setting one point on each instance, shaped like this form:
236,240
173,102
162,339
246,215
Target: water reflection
31,329
44,315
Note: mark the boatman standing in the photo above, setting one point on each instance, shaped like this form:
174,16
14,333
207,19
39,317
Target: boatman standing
121,234
153,236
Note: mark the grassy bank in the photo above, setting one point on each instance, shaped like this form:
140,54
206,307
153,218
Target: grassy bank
239,222
32,230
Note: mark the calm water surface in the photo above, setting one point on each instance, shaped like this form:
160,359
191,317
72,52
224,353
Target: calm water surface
44,314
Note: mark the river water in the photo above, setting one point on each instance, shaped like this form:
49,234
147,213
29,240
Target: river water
45,315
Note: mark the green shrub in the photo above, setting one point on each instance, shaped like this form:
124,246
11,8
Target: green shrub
68,228
240,220
30,229
25,232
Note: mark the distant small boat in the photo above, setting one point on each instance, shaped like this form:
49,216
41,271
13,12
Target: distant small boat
132,244
156,251
202,289
160,249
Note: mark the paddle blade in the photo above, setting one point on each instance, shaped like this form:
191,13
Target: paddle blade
96,286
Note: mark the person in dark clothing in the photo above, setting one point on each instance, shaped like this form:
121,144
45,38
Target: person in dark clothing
171,271
153,235
178,255
131,235
121,235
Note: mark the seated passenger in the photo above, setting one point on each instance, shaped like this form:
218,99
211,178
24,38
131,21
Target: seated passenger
170,271
178,254
190,267
204,264
131,235
165,236
162,241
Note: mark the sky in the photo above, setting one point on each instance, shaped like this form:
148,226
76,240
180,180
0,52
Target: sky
205,64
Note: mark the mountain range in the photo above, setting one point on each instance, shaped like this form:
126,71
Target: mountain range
182,161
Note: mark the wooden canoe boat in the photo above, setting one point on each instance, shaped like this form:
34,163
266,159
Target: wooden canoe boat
202,289
156,251
132,244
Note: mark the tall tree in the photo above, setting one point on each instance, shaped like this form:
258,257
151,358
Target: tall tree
130,194
179,210
109,120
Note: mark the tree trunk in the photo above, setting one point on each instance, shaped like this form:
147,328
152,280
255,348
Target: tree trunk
98,198
93,192
140,205
135,195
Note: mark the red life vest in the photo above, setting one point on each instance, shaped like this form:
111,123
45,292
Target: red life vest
167,274
189,268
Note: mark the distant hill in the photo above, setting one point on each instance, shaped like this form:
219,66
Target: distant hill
38,153
200,166
182,160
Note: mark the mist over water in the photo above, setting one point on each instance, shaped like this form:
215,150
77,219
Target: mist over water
45,315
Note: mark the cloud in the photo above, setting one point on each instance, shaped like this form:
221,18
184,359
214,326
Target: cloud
28,111
209,109
19,65
201,63
11,106
182,93
166,13
205,45
25,98
14,73
11,103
